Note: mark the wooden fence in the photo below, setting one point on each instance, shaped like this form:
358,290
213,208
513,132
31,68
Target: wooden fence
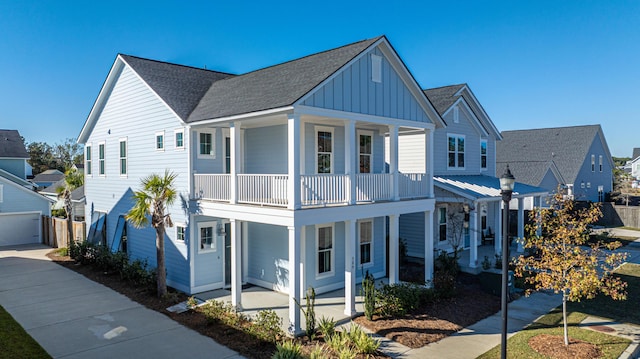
55,232
614,215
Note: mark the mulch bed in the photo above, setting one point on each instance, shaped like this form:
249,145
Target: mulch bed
552,346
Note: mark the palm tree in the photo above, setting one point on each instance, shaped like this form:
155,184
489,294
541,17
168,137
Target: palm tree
152,200
72,180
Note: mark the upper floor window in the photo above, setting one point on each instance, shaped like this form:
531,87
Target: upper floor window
455,147
366,238
442,224
87,157
456,114
324,245
179,139
123,157
101,163
160,141
324,150
365,150
181,231
483,154
600,162
376,68
206,144
593,163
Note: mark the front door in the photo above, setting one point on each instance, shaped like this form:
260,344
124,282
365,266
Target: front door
227,255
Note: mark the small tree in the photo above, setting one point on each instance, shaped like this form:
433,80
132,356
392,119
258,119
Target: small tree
152,200
564,263
456,225
72,180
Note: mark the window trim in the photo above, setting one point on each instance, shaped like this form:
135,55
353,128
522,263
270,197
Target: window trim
126,157
88,159
214,237
333,145
212,154
159,134
464,152
368,221
370,134
445,223
600,162
332,251
593,163
456,114
376,68
102,162
226,133
175,139
486,155
184,233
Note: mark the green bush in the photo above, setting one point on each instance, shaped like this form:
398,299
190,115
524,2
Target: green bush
486,263
447,263
327,326
369,288
287,350
400,299
363,343
267,326
444,284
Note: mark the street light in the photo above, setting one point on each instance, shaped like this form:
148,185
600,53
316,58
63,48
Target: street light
507,182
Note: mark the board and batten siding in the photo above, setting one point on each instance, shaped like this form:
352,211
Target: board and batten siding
353,90
133,112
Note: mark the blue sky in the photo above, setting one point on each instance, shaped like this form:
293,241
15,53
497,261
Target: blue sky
531,64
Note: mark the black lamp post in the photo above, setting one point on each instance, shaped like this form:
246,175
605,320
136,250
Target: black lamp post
507,182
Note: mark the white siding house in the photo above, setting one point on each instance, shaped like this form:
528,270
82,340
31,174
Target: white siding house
282,174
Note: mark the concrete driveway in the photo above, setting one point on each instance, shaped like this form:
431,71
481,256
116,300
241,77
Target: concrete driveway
74,317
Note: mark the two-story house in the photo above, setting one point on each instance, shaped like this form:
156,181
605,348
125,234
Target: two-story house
21,207
575,157
466,190
281,171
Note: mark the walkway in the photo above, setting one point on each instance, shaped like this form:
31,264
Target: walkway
74,317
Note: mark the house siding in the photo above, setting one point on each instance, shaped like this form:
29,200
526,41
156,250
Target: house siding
352,90
595,178
471,150
15,166
19,200
133,112
268,255
266,150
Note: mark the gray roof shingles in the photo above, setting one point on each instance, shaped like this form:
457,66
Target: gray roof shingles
443,97
11,145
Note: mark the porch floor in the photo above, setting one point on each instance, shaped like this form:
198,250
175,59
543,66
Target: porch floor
484,250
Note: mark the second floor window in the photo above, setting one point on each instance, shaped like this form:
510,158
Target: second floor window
123,157
455,147
324,147
483,154
87,156
600,162
160,141
593,163
101,159
205,144
366,152
179,134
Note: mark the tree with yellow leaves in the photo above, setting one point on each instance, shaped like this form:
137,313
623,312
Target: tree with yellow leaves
564,261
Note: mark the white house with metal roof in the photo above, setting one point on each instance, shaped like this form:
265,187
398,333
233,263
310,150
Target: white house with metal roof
281,171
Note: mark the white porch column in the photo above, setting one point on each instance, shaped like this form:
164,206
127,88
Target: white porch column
394,258
350,154
350,268
393,161
429,160
520,224
234,134
498,227
474,228
428,248
538,204
293,161
294,281
236,264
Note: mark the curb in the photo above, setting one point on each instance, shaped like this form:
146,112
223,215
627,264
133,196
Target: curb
632,352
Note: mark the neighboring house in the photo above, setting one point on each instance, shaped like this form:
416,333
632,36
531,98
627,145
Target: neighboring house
21,207
47,178
77,199
281,171
634,164
577,158
466,190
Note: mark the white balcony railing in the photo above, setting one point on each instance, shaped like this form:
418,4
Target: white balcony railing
412,185
323,189
212,186
263,189
372,187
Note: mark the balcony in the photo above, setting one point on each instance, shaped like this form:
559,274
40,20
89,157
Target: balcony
315,190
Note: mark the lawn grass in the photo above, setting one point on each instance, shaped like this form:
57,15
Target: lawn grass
624,240
629,228
15,342
620,311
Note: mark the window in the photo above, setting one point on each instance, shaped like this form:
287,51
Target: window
123,157
227,153
206,146
324,237
101,159
376,68
593,163
600,193
600,162
456,114
366,238
442,224
455,148
1,192
365,151
483,154
324,148
160,141
87,157
179,138
206,233
180,232
588,184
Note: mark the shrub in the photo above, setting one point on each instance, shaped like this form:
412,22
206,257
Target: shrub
447,263
486,263
309,312
369,288
347,353
192,302
498,264
399,299
445,284
363,343
338,340
267,326
287,350
318,352
327,326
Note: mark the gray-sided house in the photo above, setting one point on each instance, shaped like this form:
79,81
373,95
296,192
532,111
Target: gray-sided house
468,210
281,171
21,208
77,199
576,157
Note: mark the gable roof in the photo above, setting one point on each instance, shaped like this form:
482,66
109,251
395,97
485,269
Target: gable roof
23,189
275,86
48,176
636,153
566,147
443,97
478,187
16,179
11,145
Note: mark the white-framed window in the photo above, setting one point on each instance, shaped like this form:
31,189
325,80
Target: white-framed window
376,68
600,162
581,184
324,149
160,141
1,193
207,236
456,114
123,156
588,184
206,143
324,249
87,158
455,151
101,160
178,137
442,224
181,232
365,151
365,243
483,154
593,163
226,135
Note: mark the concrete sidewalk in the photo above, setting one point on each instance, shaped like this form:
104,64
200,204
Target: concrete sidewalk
74,317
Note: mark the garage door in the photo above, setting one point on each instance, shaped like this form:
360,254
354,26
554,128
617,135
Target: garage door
20,228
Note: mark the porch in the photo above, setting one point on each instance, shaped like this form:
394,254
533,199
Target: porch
488,250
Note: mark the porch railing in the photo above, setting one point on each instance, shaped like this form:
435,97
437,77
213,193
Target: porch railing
323,189
373,187
263,189
412,185
212,186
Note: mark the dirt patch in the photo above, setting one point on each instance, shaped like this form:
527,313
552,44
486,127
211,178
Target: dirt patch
553,346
